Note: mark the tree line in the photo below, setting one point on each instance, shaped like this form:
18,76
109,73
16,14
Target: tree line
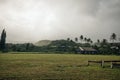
68,45
83,39
3,41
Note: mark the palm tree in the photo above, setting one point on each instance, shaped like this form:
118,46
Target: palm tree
91,41
104,41
98,41
76,39
113,37
68,39
81,38
85,39
88,40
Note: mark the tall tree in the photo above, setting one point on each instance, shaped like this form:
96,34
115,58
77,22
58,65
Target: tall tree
68,39
76,39
91,41
113,37
98,41
81,38
3,40
104,41
85,39
88,40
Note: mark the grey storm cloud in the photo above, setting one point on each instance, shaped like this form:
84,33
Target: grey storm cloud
33,20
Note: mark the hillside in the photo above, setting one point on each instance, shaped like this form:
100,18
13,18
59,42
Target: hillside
43,43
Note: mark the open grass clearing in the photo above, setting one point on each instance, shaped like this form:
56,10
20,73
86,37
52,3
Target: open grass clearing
55,67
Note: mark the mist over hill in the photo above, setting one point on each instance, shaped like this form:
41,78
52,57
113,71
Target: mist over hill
43,43
32,20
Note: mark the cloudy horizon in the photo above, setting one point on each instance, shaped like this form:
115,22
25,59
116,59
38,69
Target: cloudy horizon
34,20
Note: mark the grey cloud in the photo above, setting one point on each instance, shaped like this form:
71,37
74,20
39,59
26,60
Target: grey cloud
33,20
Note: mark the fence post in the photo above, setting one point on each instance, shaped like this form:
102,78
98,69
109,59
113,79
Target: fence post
88,63
102,63
111,65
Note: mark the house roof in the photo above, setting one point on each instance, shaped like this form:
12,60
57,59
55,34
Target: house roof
87,49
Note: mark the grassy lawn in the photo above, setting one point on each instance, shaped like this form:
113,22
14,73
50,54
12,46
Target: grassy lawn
55,67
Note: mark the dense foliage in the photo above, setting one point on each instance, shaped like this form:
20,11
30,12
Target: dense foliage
55,46
65,46
3,40
69,46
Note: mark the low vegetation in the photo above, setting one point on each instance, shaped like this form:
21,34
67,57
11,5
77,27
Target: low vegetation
62,46
25,66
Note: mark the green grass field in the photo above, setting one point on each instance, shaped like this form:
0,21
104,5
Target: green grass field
55,67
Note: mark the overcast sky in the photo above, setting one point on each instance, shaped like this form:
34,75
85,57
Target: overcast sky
34,20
